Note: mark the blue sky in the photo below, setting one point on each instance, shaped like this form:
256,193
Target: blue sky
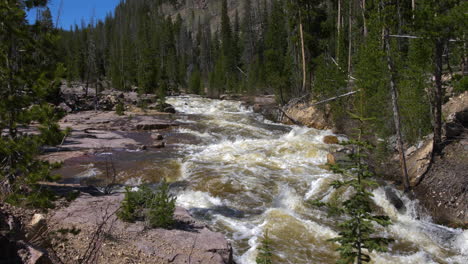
75,10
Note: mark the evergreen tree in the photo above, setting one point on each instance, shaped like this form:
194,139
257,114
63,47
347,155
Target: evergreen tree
27,75
276,45
357,236
248,37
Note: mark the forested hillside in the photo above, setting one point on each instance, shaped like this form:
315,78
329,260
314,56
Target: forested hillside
318,48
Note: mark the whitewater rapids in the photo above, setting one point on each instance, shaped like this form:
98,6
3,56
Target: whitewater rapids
246,175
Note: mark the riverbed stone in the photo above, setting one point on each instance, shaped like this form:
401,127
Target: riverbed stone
330,140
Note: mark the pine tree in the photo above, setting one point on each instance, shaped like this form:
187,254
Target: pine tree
27,75
276,45
357,236
248,37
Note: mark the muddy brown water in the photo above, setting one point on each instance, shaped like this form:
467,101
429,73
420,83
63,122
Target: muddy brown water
244,175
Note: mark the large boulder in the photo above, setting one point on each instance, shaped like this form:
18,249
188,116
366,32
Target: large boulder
310,116
418,161
456,116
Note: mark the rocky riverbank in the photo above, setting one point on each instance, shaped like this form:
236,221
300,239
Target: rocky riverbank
87,228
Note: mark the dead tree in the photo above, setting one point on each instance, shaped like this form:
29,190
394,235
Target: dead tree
396,112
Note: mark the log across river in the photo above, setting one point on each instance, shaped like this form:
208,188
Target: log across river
244,175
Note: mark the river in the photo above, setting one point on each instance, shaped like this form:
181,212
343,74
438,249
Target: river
244,175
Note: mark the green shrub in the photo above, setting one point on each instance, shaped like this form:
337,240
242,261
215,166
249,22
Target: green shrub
120,109
460,84
156,207
161,208
133,204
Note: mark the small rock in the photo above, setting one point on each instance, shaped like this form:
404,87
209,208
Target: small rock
340,158
37,220
453,130
169,109
37,226
159,145
143,147
157,136
330,140
393,197
257,108
65,107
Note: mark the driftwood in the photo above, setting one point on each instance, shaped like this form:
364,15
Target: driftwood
334,98
290,118
416,37
245,74
297,100
339,67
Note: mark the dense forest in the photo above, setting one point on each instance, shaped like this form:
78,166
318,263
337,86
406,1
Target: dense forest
318,49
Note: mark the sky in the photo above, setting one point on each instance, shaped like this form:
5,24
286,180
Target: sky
73,11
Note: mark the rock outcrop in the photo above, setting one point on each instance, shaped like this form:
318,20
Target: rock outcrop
418,161
189,241
16,246
309,116
442,186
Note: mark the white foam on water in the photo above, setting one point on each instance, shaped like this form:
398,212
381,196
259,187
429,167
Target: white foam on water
204,135
136,181
419,257
90,172
427,236
288,200
277,171
197,199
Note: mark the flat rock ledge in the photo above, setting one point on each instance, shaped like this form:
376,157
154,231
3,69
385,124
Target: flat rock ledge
190,241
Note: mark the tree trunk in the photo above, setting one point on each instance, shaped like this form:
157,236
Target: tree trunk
363,13
338,29
396,113
350,27
437,95
304,71
464,63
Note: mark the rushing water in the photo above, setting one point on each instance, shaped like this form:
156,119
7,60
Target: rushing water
245,175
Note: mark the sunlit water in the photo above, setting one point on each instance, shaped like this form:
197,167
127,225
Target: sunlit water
244,175
248,175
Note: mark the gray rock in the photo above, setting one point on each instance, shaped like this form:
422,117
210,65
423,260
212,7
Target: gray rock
189,238
453,130
65,108
150,125
394,199
159,145
169,109
157,136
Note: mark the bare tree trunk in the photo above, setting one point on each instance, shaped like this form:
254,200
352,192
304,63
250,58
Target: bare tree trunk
363,13
437,95
338,28
396,114
464,63
350,27
304,71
